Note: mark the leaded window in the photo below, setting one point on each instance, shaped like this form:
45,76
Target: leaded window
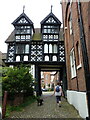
23,37
17,37
54,58
28,37
50,29
50,37
50,33
46,48
17,58
22,48
23,29
26,48
25,58
50,48
46,58
23,33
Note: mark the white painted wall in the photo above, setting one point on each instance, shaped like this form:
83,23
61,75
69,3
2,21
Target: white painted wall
0,113
79,101
42,74
33,70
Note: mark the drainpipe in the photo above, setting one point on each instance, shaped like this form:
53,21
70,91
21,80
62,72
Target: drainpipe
85,57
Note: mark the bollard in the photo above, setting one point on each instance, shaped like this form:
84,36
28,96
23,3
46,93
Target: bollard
4,104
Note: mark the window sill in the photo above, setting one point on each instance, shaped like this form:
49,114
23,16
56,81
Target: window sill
79,66
73,77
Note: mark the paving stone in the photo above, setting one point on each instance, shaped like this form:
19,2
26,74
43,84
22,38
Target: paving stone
48,110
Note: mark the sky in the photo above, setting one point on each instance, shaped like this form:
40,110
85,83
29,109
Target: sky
36,10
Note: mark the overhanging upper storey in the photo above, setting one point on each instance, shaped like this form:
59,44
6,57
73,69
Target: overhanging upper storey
50,28
24,28
34,46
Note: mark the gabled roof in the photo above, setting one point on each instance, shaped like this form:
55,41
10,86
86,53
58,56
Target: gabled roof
37,34
48,16
23,15
11,37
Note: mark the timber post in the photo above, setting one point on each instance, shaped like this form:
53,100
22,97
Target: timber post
4,104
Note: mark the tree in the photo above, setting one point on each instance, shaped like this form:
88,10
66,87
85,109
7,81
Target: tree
17,80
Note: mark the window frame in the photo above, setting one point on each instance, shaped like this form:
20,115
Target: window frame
22,49
72,64
70,24
51,48
78,53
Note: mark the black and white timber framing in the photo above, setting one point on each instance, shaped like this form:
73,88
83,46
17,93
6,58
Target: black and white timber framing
22,47
43,47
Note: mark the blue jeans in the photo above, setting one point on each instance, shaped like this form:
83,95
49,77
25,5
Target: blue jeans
58,98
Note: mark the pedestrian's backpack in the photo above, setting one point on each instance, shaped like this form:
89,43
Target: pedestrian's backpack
57,89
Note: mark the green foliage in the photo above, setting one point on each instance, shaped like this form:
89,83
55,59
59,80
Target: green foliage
2,70
50,89
29,100
48,85
16,80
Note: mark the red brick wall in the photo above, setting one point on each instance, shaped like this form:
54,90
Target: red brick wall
86,22
76,32
89,34
79,81
66,40
56,78
47,78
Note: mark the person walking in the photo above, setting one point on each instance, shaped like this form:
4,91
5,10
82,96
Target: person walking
58,93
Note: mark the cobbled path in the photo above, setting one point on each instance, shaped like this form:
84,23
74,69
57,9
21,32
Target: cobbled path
48,110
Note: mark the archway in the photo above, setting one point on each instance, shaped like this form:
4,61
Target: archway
50,68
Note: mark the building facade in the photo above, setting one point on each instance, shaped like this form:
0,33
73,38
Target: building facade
49,79
76,21
43,47
46,80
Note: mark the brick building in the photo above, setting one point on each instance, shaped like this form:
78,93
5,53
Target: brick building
49,79
46,80
76,27
56,77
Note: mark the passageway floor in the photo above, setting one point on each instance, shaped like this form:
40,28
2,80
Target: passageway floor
48,110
